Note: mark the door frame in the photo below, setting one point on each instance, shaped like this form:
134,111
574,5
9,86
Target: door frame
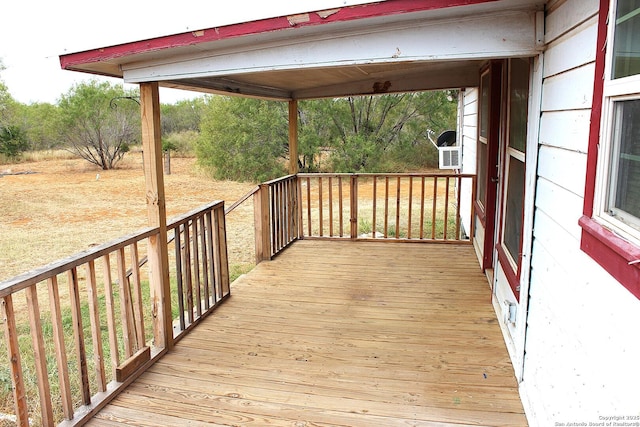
486,211
515,335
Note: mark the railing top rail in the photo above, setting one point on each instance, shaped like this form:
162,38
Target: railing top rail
39,274
371,175
182,219
241,200
275,181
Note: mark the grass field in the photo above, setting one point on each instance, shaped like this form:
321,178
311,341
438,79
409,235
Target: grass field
55,207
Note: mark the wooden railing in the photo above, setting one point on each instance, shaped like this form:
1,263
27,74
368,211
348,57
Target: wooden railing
407,207
399,207
201,271
79,330
277,222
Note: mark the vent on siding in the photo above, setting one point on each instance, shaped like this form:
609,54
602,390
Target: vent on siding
449,157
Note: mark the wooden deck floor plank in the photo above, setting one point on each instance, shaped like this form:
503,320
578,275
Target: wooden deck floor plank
456,374
339,334
301,399
370,356
207,406
476,396
139,416
351,345
465,328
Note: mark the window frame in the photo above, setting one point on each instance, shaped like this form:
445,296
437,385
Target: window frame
512,266
613,247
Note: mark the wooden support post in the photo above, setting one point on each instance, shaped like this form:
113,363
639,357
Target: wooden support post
157,214
262,225
293,137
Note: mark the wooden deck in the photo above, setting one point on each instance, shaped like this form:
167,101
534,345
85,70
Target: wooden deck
338,334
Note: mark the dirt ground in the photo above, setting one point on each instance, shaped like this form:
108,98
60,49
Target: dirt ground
55,208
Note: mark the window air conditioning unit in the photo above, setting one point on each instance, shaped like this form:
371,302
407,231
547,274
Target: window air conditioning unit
449,157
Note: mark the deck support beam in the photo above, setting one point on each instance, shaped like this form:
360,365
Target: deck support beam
293,137
157,214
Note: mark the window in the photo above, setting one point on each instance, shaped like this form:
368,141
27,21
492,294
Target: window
510,240
611,221
617,198
483,137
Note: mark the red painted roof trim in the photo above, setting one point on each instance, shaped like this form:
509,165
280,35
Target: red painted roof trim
350,13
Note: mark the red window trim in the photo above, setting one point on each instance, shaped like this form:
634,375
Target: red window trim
480,213
614,254
512,277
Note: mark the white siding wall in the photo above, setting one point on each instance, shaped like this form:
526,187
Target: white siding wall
582,347
468,125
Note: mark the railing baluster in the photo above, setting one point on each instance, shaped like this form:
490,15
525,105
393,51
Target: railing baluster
111,317
205,262
398,207
375,198
13,351
446,209
330,207
422,209
39,356
180,285
300,230
434,206
221,256
458,196
126,312
78,333
94,319
309,207
274,219
137,297
186,268
410,207
354,206
320,207
196,267
386,207
340,206
210,256
60,349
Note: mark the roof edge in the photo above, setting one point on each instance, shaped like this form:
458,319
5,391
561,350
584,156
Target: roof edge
74,61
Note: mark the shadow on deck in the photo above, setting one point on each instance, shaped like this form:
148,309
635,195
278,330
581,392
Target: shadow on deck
338,334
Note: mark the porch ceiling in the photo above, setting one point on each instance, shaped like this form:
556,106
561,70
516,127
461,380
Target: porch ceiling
392,46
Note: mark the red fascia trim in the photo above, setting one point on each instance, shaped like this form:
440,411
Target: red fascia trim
389,7
596,110
612,253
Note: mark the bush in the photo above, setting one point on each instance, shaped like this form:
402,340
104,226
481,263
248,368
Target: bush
13,141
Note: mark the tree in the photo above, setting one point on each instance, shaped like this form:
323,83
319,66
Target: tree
247,138
13,141
376,133
41,122
182,116
98,124
243,139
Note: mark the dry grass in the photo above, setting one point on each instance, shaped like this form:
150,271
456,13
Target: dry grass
66,205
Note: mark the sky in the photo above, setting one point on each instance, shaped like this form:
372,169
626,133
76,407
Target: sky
34,33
